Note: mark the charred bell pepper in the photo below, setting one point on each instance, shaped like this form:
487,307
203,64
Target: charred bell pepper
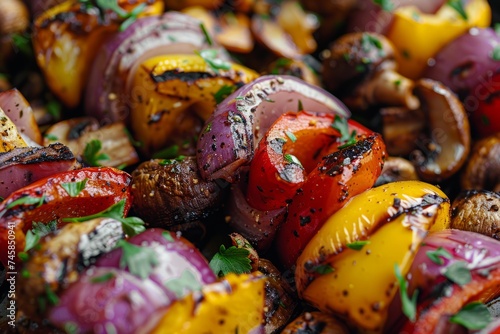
291,149
348,266
165,88
67,37
233,305
418,36
340,176
70,194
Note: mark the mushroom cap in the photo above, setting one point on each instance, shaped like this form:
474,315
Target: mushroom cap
355,57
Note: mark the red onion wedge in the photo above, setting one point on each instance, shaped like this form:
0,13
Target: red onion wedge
107,300
467,61
161,268
22,166
451,269
176,258
108,90
258,227
232,133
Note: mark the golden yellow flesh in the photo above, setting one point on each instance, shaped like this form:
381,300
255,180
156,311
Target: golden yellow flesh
65,56
10,138
238,309
410,31
158,107
362,284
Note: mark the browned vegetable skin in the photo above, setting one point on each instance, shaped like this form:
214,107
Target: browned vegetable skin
14,17
396,169
483,168
76,133
280,298
445,147
401,129
171,194
22,166
477,211
315,323
361,70
59,259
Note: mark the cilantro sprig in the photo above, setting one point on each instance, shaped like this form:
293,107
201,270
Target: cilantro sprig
386,5
74,188
210,57
458,6
92,153
458,273
112,5
230,260
140,261
409,305
437,255
358,245
131,225
342,126
38,231
184,284
473,316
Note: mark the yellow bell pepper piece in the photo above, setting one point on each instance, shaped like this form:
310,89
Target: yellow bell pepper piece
418,36
10,138
65,55
392,220
234,305
165,87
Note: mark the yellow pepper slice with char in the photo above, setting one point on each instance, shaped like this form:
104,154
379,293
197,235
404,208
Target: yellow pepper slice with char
10,138
67,38
418,36
348,267
233,305
167,88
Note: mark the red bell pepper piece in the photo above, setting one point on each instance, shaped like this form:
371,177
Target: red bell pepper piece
340,176
47,200
292,148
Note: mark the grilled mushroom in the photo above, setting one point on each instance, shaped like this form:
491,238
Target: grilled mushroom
483,168
477,211
443,150
360,69
396,169
171,194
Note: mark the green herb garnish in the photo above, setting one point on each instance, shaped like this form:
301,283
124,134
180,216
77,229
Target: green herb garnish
27,200
92,155
458,6
409,305
210,57
167,153
358,245
323,269
74,188
51,137
208,38
37,231
386,5
342,126
184,284
103,278
473,316
230,260
437,255
140,261
131,225
292,159
495,54
291,136
223,92
458,273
